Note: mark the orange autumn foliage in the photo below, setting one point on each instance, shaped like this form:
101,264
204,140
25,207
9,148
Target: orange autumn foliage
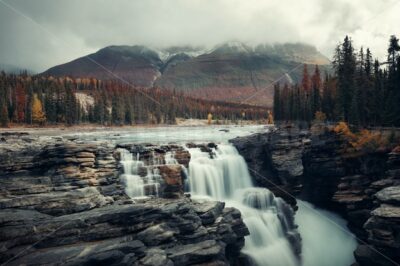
343,129
320,116
364,140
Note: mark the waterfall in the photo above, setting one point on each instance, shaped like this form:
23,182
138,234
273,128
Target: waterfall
140,180
223,175
318,227
170,158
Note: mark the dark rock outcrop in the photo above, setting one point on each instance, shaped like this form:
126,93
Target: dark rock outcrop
361,186
275,160
62,202
181,231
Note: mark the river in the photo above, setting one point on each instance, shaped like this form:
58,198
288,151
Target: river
326,241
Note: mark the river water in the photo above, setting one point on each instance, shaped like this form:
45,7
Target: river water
224,176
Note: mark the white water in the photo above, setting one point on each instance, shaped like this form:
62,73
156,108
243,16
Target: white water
170,158
178,134
326,240
225,177
137,186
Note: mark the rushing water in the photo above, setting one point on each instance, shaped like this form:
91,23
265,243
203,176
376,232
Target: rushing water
223,175
138,186
326,240
177,134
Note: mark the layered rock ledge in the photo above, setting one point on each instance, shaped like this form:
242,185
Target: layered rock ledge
62,202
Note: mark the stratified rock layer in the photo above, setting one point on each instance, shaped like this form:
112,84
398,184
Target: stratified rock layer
62,202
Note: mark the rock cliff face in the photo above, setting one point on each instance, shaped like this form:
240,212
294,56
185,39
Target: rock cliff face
362,187
62,202
275,160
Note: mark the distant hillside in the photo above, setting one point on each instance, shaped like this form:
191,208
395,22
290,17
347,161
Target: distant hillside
230,72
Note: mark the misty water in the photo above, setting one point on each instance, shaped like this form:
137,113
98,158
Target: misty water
225,177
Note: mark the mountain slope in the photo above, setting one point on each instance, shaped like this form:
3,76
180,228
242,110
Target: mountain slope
135,64
229,72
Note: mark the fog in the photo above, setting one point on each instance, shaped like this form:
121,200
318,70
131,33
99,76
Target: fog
42,33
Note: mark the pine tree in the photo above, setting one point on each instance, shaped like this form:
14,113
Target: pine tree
328,97
3,108
117,111
285,108
344,65
316,91
71,106
277,102
391,116
305,82
50,106
29,107
394,48
20,103
294,102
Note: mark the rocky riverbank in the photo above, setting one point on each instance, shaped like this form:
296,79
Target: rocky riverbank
62,202
363,187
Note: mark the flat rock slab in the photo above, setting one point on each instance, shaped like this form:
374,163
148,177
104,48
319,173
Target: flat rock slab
389,195
195,253
387,211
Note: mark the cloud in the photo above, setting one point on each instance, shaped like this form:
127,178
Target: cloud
81,27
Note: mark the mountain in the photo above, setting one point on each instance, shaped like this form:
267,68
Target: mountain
138,65
231,71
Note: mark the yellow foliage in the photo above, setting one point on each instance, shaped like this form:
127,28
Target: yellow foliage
209,118
320,116
38,115
343,129
367,140
270,119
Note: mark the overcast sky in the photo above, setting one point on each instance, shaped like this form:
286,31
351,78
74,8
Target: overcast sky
69,29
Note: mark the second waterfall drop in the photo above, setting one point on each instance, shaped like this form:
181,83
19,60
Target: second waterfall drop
223,175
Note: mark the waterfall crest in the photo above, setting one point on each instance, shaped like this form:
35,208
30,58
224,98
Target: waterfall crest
223,175
140,181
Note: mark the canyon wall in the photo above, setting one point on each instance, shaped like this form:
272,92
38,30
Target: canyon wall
363,187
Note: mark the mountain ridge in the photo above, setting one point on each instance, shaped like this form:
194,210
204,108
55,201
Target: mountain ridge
229,72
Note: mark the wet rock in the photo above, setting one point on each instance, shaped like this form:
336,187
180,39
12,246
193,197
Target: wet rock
389,195
362,187
369,256
69,194
387,211
275,160
58,203
156,234
156,257
209,211
201,252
